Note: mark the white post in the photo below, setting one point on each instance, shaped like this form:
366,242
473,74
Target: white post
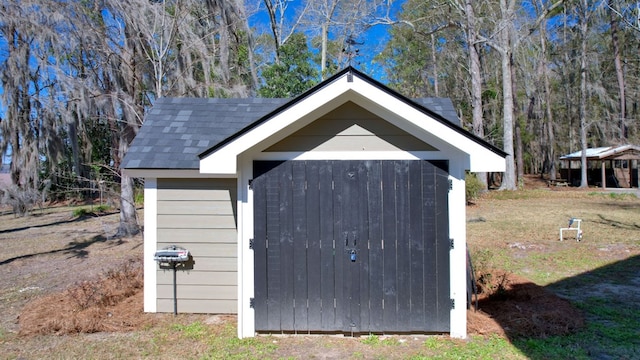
150,244
458,255
246,315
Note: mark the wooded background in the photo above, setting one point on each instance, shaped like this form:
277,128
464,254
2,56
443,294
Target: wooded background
538,79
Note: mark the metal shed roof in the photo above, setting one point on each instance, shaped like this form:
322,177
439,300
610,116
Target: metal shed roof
601,153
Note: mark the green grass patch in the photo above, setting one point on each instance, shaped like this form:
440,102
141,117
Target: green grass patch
226,345
94,210
552,348
372,339
80,212
517,195
196,330
476,347
614,195
102,208
376,340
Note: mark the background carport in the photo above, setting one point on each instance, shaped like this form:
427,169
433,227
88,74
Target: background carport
618,166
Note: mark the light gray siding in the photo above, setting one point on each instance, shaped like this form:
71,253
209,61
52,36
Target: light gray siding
351,128
199,215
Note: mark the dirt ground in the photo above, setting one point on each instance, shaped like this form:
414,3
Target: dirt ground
50,251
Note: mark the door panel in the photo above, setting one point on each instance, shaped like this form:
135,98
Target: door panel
311,216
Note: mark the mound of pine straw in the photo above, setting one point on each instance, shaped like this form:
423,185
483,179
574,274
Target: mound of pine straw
508,305
113,302
512,306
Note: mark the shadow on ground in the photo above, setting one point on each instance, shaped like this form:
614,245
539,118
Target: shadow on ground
74,249
61,222
608,298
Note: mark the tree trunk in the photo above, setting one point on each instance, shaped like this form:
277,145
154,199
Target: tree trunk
128,217
583,94
435,66
518,135
78,168
323,65
275,29
476,82
509,178
620,76
549,133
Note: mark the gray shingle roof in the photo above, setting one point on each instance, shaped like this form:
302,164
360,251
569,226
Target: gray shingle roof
441,106
177,130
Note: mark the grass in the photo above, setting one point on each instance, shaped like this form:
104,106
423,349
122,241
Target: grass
477,347
518,232
599,275
94,210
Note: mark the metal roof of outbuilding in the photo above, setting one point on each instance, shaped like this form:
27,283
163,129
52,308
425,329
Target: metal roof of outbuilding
600,153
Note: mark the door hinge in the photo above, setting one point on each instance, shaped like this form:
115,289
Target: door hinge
251,244
451,244
250,184
252,302
453,303
450,184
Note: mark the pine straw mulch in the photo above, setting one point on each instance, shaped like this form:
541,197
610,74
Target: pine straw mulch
111,303
512,306
509,306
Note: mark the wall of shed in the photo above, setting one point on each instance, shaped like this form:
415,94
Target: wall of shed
199,215
350,128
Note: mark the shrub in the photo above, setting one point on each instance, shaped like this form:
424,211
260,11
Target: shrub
138,198
21,200
80,212
473,187
103,208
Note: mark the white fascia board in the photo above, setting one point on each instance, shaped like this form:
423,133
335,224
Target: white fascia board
172,174
300,114
150,244
424,127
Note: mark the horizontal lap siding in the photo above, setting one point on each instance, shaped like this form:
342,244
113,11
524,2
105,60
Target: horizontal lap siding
351,128
199,215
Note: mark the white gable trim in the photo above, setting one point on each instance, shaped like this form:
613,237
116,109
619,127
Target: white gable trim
224,160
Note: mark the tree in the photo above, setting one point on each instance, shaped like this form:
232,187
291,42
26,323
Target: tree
282,28
293,74
615,45
95,64
476,79
583,26
31,124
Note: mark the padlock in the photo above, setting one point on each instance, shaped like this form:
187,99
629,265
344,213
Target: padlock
352,255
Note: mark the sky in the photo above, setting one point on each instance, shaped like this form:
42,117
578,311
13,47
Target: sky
373,40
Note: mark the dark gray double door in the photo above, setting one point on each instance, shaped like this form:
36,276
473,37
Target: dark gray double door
351,246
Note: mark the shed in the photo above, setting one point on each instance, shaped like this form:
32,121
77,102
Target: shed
339,211
617,165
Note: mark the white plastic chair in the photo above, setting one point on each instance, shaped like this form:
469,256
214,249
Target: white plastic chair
574,225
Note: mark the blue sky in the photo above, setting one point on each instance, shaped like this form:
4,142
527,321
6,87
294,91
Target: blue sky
374,38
